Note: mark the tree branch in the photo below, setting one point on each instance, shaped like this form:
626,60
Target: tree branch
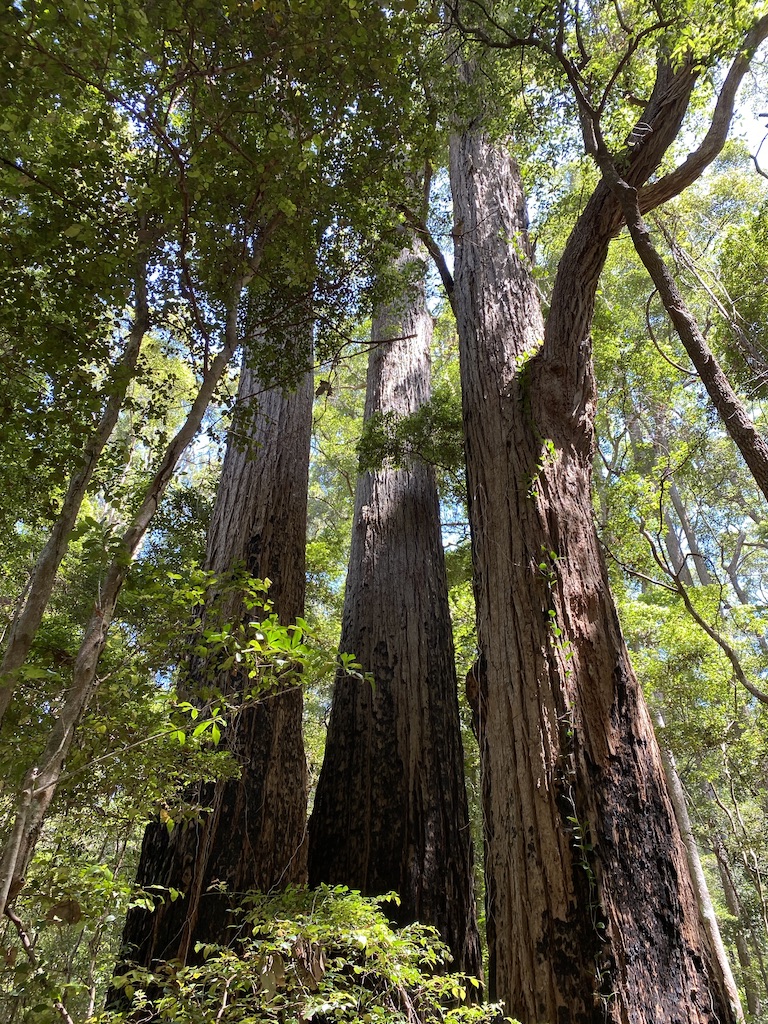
654,340
712,633
672,184
434,250
736,419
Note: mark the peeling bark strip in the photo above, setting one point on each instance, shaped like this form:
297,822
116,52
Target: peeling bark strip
591,913
254,835
391,810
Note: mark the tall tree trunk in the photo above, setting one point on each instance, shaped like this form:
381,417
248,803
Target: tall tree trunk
591,913
735,909
27,622
254,835
677,559
706,909
391,810
42,779
702,571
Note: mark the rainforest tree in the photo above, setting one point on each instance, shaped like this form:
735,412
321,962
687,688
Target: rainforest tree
243,158
390,812
577,817
172,178
259,527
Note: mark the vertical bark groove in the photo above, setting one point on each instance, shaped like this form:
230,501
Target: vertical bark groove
391,811
254,835
591,915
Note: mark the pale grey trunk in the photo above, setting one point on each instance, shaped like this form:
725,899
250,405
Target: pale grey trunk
706,909
675,554
591,913
391,810
645,462
42,779
735,909
702,571
27,622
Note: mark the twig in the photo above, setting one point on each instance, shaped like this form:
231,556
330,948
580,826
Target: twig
712,633
24,938
29,949
224,997
434,250
656,345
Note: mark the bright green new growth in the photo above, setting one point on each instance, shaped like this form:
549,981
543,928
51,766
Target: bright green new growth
327,954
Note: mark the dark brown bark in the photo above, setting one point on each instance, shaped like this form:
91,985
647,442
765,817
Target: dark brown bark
672,184
736,419
625,178
591,913
391,810
254,835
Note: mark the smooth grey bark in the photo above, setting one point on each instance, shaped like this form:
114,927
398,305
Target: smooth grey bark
591,913
254,834
27,622
645,462
735,909
702,571
706,909
675,552
676,568
42,778
390,811
733,573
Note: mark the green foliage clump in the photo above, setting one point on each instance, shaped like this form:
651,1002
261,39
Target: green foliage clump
137,750
432,434
323,955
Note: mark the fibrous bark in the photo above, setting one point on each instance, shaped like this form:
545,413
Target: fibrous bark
391,810
591,913
253,836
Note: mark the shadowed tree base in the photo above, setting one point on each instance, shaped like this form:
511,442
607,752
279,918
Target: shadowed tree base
390,812
252,832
